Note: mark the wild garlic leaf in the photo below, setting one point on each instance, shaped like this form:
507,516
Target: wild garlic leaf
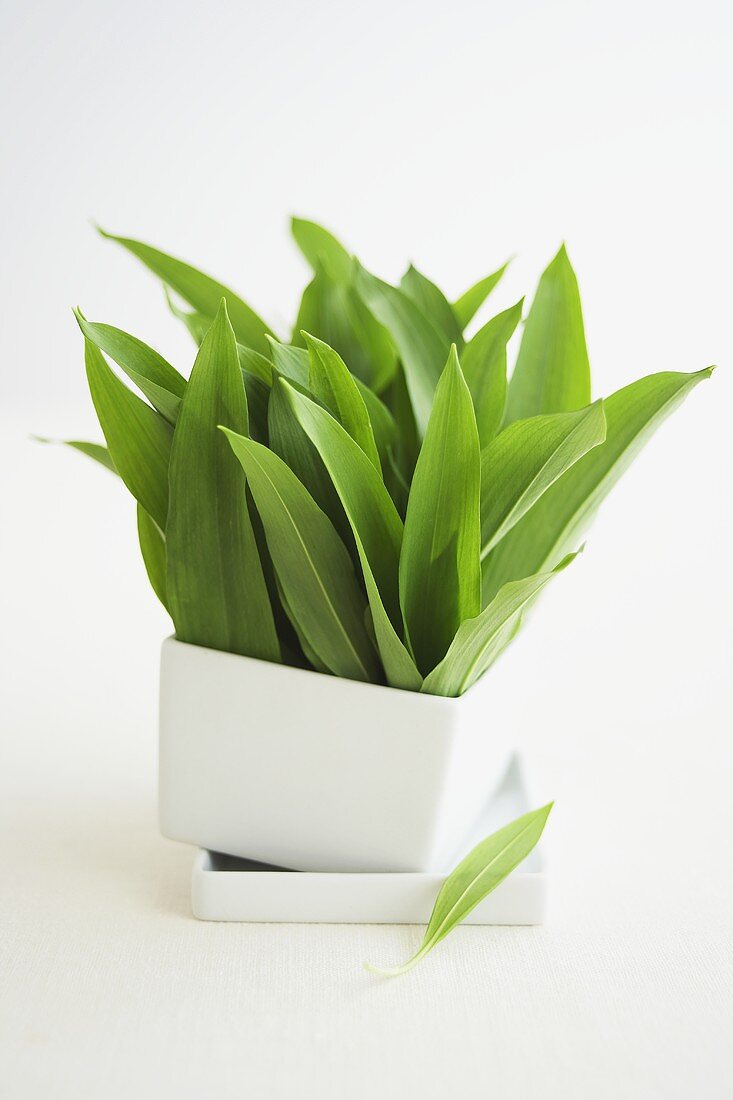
483,362
559,518
321,249
470,302
255,363
196,323
382,422
524,460
440,570
433,303
290,361
375,525
200,291
422,347
479,641
291,442
152,548
215,584
483,869
312,564
138,438
552,373
334,311
329,380
152,374
94,451
366,502
324,309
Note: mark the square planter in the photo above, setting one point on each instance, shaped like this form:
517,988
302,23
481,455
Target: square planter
317,773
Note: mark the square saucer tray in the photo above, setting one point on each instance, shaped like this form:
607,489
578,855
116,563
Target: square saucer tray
226,888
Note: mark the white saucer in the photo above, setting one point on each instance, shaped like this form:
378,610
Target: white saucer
226,888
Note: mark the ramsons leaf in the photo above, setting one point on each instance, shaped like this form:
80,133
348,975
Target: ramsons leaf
329,380
552,373
470,302
422,347
152,374
152,548
483,363
376,528
440,572
312,565
556,521
479,641
215,584
474,878
200,291
321,249
94,451
433,303
524,460
138,438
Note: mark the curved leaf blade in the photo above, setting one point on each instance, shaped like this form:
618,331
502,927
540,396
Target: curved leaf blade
375,525
483,869
199,290
215,583
423,349
524,460
95,451
331,383
479,641
558,519
138,438
433,303
321,249
483,363
552,373
152,374
440,570
470,302
152,548
312,564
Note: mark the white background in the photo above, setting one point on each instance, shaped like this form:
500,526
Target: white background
452,135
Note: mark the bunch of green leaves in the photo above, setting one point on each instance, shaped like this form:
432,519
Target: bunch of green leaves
371,497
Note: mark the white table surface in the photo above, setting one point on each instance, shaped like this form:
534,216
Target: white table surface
110,988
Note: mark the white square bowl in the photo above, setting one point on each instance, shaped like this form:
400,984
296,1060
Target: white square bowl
317,773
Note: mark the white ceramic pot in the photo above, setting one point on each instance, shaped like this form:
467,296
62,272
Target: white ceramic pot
318,773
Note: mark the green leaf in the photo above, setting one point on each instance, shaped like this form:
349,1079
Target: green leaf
470,302
552,372
381,420
423,349
321,249
289,440
483,362
524,460
152,548
376,528
290,362
433,304
216,588
94,451
440,571
312,565
200,291
152,374
329,380
559,518
479,641
490,862
197,324
255,364
138,438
